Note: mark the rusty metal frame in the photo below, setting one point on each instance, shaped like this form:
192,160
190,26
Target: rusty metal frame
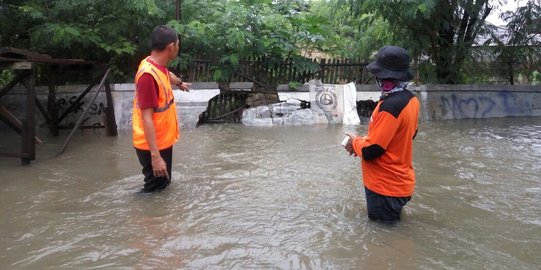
82,117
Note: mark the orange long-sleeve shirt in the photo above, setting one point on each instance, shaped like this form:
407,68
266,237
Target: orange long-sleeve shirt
386,151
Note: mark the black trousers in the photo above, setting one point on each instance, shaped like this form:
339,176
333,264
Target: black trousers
384,208
153,183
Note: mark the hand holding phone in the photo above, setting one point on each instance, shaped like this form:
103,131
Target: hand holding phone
347,142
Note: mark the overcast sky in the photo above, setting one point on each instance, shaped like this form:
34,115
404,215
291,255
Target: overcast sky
511,5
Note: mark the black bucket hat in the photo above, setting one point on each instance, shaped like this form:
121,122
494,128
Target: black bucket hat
391,63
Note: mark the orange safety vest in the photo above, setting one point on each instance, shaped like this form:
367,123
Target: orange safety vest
165,115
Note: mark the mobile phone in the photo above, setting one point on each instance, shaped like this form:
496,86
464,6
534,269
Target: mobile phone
345,141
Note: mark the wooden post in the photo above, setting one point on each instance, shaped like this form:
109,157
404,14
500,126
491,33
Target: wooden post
110,119
334,68
52,109
362,74
28,146
322,72
13,122
178,10
178,16
511,75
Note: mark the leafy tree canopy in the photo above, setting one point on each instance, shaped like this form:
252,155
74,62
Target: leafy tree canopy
439,32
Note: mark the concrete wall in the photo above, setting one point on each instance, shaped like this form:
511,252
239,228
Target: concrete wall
442,102
190,105
439,102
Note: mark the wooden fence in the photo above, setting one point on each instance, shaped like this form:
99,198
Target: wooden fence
329,71
483,71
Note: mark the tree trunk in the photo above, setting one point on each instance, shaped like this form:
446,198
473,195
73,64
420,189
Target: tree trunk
224,87
178,10
445,49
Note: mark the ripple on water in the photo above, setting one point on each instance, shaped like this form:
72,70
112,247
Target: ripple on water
286,198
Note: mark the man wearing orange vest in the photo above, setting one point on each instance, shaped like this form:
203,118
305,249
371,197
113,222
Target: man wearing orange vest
386,151
154,118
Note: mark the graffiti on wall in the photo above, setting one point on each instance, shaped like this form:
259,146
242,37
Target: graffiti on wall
65,102
503,103
94,116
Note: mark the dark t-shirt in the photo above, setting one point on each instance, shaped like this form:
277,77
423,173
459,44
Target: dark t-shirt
148,90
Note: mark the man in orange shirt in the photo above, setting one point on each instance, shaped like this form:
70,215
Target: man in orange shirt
386,151
154,117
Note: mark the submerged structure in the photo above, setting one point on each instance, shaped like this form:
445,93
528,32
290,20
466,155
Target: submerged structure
327,103
23,65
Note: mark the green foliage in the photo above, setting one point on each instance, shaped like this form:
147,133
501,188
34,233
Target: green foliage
294,85
111,32
438,34
265,30
6,76
520,45
536,77
442,30
350,35
116,32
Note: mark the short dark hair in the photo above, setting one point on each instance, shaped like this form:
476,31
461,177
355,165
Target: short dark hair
161,36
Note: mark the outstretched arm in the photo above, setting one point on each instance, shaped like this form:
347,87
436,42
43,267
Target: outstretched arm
176,81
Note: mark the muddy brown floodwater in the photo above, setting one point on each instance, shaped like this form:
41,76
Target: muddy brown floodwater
275,198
